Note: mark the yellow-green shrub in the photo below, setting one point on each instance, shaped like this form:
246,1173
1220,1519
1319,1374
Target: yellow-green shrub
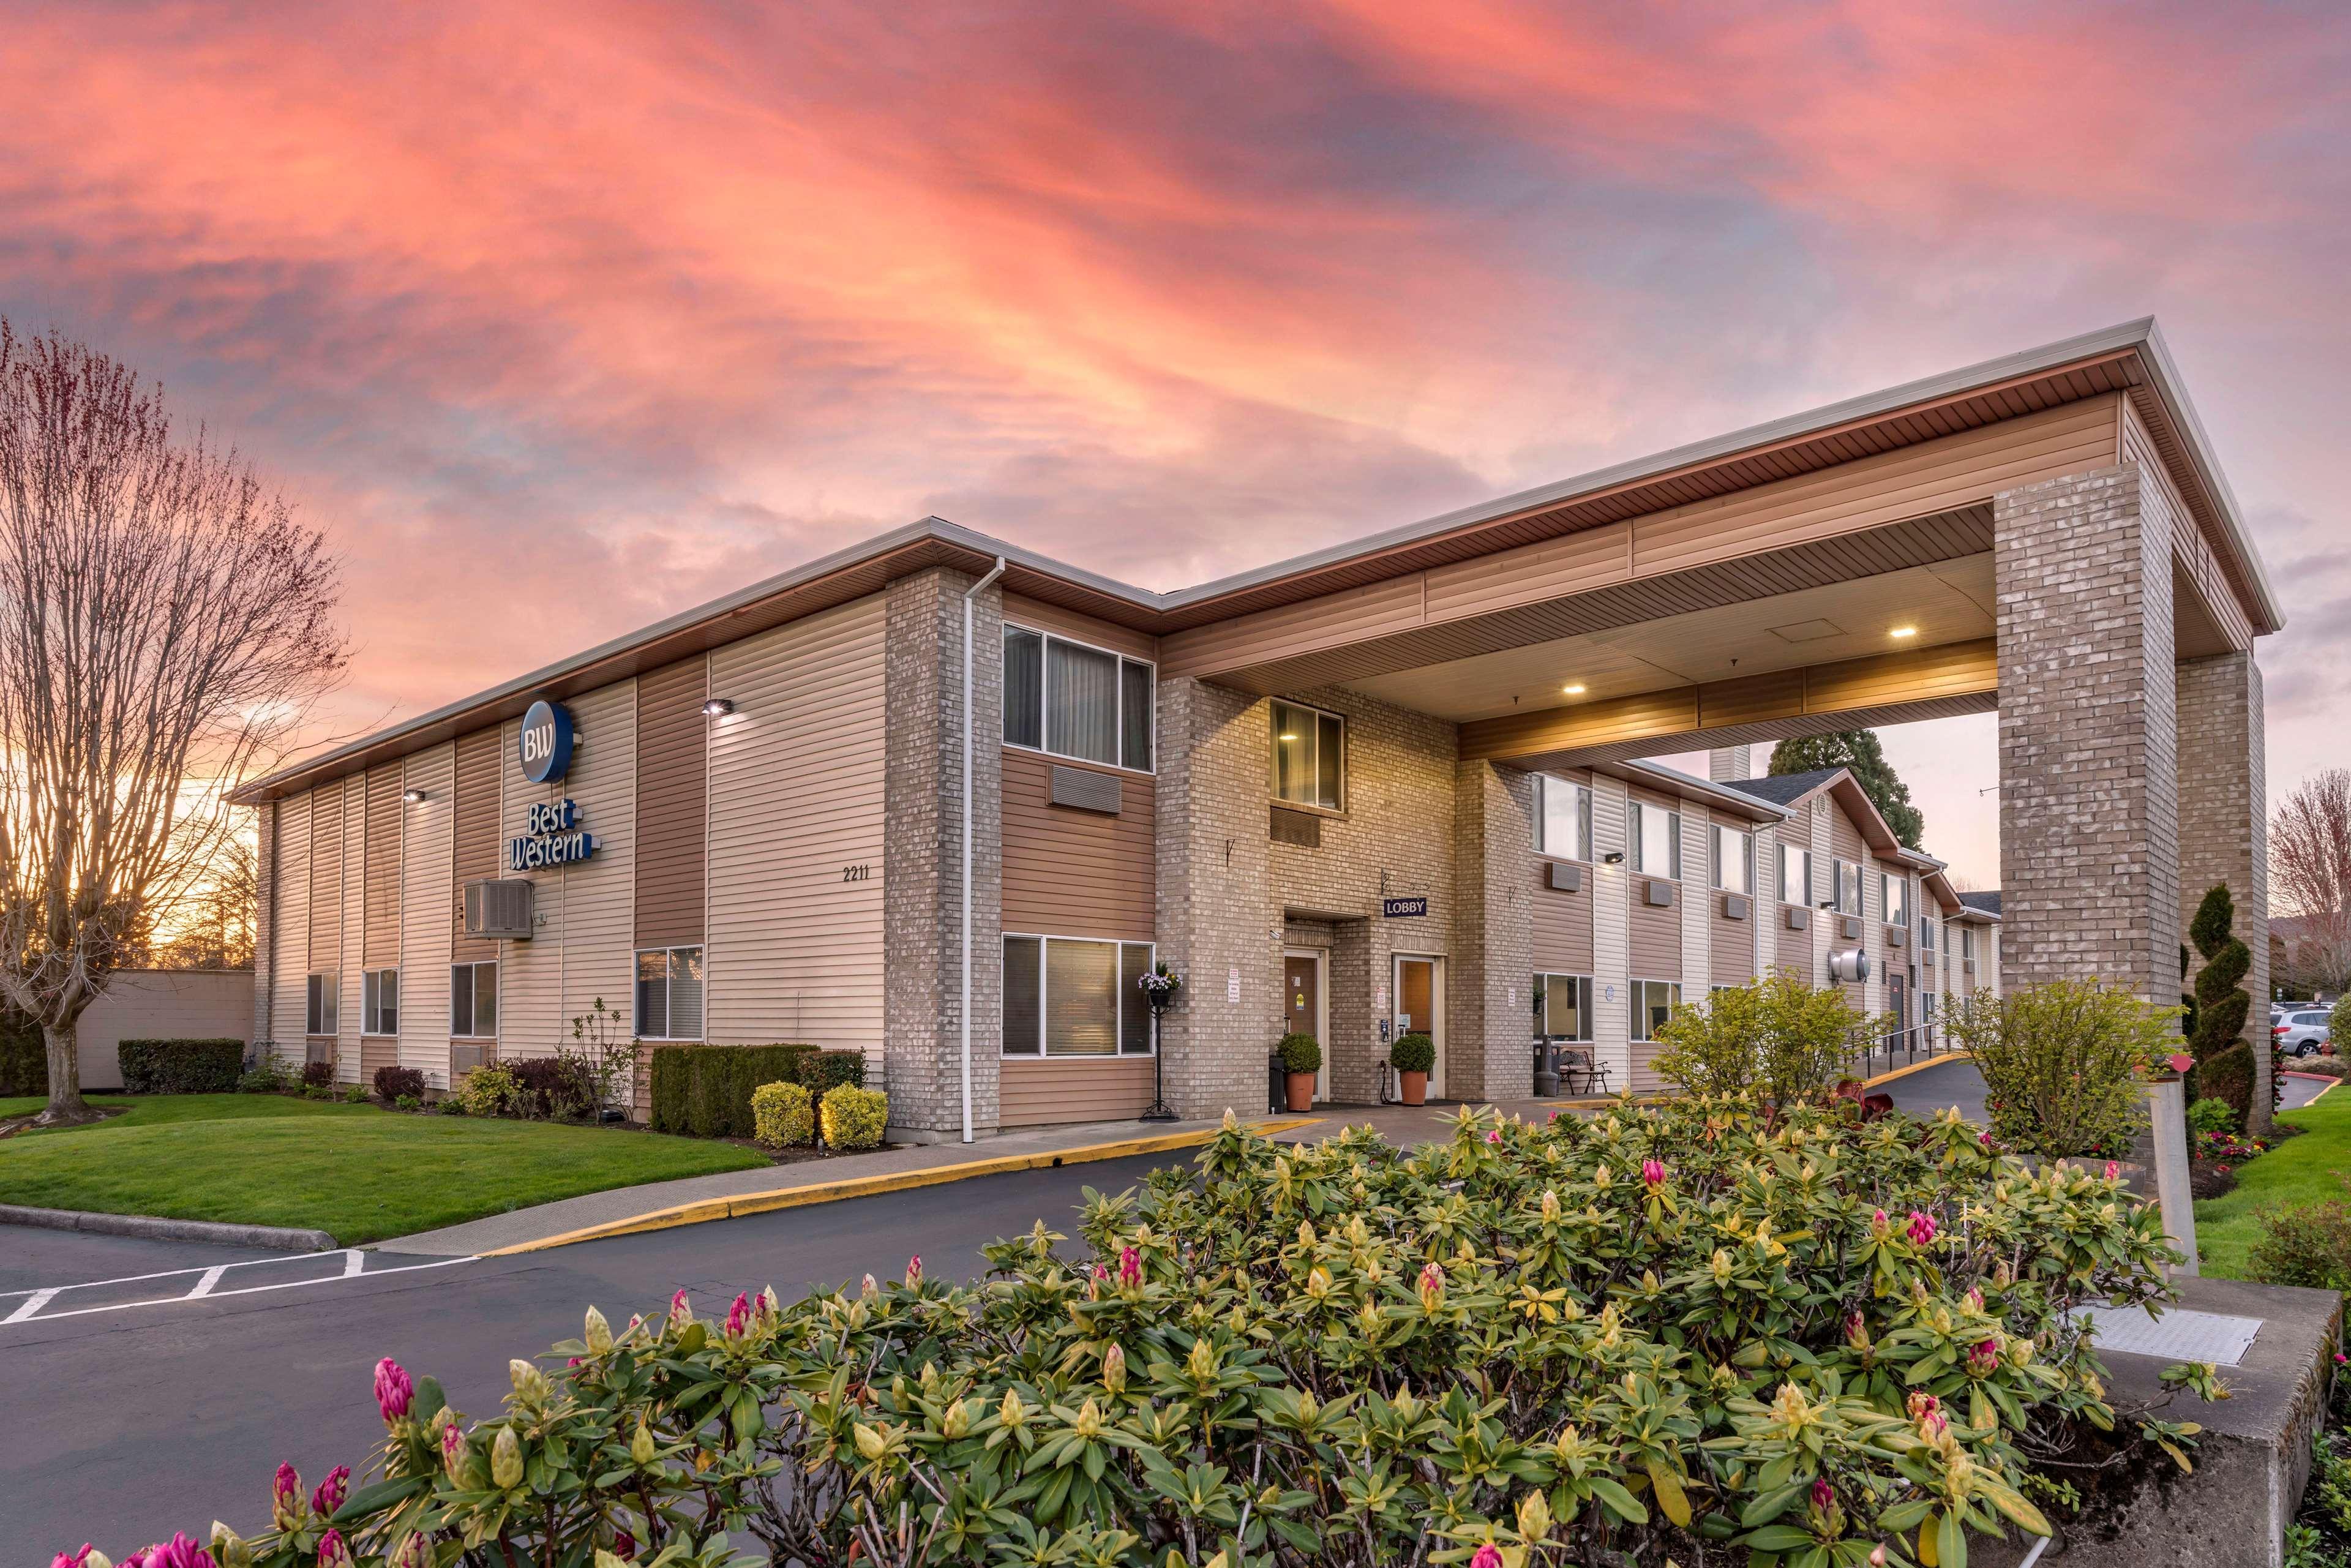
491,1090
854,1117
781,1116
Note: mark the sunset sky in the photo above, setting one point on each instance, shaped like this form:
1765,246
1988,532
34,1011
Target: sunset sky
562,318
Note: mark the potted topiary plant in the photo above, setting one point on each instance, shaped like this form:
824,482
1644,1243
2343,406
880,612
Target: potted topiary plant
1412,1056
1302,1059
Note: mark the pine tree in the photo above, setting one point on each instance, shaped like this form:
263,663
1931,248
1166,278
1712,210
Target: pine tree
2225,1067
1856,750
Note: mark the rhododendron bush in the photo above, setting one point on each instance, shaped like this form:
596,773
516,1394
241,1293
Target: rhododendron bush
1692,1333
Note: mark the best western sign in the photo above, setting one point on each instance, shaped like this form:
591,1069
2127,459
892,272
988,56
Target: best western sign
551,836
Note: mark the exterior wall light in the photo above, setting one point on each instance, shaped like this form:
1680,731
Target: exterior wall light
415,796
1614,857
1573,689
1901,631
719,707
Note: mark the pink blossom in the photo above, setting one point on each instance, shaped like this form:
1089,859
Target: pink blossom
1554,1116
286,1498
1130,1267
738,1316
1654,1173
913,1270
179,1552
1823,1494
2113,1169
1974,1299
395,1395
1984,1357
575,1360
2339,1359
680,1314
77,1559
1486,1556
1494,1135
453,1451
1432,1286
333,1491
332,1553
1984,1137
1856,1332
624,1544
1922,1228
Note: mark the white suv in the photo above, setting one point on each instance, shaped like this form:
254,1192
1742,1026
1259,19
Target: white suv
2300,1032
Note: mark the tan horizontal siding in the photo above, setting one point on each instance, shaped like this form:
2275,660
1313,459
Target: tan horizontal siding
1043,617
1563,926
474,848
1079,872
673,803
382,917
797,775
599,904
1795,948
1845,842
291,960
1654,938
327,873
1730,948
1046,1090
426,936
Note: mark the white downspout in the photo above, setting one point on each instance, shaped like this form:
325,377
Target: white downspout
970,594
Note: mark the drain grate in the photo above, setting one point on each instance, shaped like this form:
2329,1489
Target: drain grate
2176,1336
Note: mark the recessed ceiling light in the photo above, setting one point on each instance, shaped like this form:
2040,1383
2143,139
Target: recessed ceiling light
1901,631
1573,689
1285,737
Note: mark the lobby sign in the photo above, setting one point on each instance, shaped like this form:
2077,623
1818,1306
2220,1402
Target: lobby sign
551,836
545,744
1403,908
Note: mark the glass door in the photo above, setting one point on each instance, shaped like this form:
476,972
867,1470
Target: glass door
1420,1008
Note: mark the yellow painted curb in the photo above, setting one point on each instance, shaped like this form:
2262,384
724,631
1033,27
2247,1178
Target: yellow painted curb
1917,1067
740,1204
2322,1095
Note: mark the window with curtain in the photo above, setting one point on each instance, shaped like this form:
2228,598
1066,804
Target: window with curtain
1069,996
1734,859
1069,699
321,1003
669,993
1656,835
1563,818
1310,750
473,1000
1566,1005
1654,1002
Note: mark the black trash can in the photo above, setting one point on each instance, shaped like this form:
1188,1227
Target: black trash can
1277,1088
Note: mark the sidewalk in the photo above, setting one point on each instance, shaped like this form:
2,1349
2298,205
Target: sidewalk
695,1199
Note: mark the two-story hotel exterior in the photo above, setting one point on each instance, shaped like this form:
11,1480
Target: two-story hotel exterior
1390,785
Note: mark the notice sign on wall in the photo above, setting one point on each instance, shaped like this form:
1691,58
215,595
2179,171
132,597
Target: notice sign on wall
551,836
1403,908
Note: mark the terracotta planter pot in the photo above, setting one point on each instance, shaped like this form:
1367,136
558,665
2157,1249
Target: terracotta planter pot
1414,1087
1299,1089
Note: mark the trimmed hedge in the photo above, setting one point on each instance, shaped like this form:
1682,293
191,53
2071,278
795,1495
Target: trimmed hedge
783,1115
180,1066
392,1082
24,1054
854,1118
705,1091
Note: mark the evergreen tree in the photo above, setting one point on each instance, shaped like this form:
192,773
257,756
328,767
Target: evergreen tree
1858,750
2226,1068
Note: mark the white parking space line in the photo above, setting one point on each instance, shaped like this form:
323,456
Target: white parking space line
44,1306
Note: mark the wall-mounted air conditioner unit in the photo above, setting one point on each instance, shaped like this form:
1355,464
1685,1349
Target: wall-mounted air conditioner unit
1660,895
1799,918
1734,906
1897,936
1562,877
1849,928
500,907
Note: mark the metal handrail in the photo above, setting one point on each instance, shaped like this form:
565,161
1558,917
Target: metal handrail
1924,1038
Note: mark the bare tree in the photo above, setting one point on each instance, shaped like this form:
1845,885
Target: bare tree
2310,875
165,627
216,920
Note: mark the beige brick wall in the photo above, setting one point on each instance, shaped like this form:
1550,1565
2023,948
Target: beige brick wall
2088,735
2223,815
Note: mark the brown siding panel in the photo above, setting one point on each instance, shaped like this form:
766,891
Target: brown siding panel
1045,617
476,854
1795,947
673,803
1656,936
1730,953
1077,873
325,875
1043,1090
383,873
1562,926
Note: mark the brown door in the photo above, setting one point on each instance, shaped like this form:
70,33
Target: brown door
1302,996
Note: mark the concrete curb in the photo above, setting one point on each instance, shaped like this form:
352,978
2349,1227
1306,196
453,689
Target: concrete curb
739,1204
154,1227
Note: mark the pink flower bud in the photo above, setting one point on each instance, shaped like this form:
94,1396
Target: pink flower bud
1985,1358
395,1395
1922,1228
452,1452
1654,1173
1984,1137
624,1545
1856,1332
1486,1556
1974,1299
73,1559
1432,1287
1877,1557
1494,1135
680,1314
1130,1267
179,1552
2113,1169
913,1270
333,1491
1823,1494
332,1553
285,1499
738,1316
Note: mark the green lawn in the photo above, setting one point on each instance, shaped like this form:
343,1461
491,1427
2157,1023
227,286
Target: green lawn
2300,1170
359,1173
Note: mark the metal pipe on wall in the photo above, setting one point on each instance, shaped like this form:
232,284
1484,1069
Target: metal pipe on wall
970,595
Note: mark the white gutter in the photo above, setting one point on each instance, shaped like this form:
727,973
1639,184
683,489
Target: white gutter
969,594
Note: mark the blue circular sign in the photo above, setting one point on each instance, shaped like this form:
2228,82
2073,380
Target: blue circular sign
545,746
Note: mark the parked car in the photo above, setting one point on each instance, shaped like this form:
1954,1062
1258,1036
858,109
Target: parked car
2300,1033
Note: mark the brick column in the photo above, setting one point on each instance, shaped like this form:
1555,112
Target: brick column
923,858
1489,1022
1213,916
2225,822
2089,811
